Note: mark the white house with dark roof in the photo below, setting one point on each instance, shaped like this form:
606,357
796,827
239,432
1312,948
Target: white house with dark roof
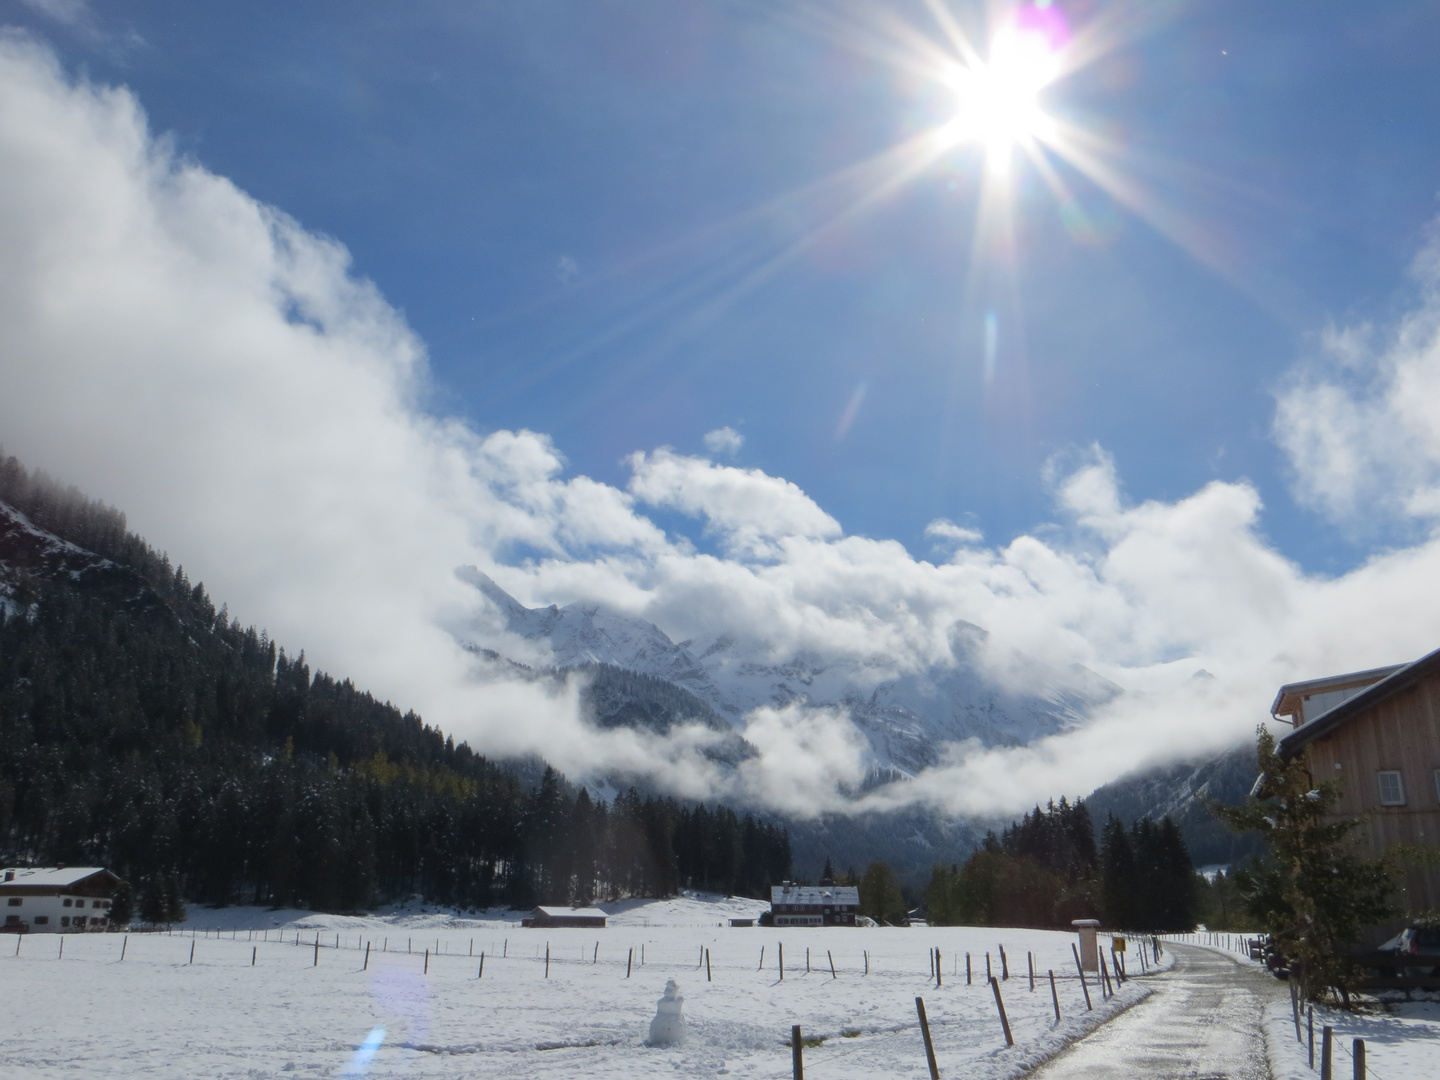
56,899
814,905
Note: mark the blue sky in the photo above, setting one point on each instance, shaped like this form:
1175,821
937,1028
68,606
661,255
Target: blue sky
555,194
750,321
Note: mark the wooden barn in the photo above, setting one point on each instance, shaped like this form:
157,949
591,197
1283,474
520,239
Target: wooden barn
1378,733
566,916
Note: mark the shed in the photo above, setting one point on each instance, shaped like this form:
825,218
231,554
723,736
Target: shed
1378,733
56,899
567,916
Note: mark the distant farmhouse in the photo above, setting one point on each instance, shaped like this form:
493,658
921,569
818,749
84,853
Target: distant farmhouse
814,905
56,899
565,916
1378,732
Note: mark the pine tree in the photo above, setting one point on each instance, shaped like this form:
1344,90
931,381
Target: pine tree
1311,892
1117,876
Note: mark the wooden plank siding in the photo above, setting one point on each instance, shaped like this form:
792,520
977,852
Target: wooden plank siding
1400,733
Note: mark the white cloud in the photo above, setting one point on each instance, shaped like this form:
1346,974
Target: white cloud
199,359
947,531
1361,421
66,12
725,440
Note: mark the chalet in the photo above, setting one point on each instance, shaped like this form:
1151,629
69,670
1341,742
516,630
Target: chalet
56,899
814,905
566,916
1378,732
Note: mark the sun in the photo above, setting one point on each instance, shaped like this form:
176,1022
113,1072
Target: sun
997,99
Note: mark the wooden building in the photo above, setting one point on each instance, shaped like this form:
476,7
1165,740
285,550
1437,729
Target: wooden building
814,905
56,899
1378,733
566,916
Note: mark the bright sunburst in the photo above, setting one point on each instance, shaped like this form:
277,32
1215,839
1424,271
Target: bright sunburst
998,98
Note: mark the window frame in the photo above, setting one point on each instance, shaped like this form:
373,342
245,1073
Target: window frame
1380,778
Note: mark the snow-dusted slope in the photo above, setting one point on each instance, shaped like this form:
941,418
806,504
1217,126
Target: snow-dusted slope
28,552
907,717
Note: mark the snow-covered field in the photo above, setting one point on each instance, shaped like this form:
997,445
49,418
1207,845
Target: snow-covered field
156,1014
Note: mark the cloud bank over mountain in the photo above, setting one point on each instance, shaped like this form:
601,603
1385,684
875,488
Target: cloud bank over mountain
175,347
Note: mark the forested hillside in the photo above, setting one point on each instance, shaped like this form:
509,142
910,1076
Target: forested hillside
143,729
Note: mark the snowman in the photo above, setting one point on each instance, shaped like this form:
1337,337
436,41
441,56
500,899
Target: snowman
668,1027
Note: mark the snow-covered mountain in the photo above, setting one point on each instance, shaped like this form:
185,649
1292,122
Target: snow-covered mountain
906,718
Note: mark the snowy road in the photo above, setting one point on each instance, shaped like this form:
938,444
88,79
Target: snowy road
1202,1023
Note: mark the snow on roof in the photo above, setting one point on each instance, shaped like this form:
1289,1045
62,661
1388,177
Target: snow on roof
572,912
815,894
55,876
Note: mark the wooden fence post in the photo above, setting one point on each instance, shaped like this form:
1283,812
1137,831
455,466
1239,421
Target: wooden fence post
797,1054
988,973
832,964
254,952
1310,1025
366,966
937,966
1359,1056
781,946
1105,976
1004,964
1000,1005
629,959
1054,996
594,958
929,1046
317,951
192,949
547,959
707,965
62,947
807,959
123,946
967,969
1083,984
481,973
867,961
1327,1037
762,959
1030,961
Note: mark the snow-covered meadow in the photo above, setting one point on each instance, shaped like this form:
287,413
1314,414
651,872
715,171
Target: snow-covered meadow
157,1014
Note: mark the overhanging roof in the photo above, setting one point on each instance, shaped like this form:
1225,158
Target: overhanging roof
1289,697
1401,679
51,877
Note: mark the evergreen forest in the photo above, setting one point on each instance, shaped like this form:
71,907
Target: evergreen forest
1046,869
144,730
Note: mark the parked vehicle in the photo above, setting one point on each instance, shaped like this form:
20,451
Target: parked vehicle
1416,949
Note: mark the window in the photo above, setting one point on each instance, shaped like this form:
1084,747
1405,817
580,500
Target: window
96,921
68,901
64,920
1392,788
79,903
15,901
42,920
12,920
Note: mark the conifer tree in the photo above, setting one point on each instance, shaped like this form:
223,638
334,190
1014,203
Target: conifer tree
1312,892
